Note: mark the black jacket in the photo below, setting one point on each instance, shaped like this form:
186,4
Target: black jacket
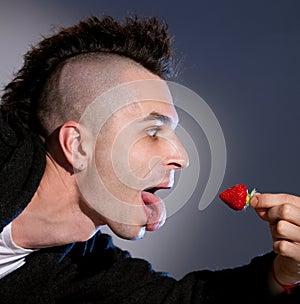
96,271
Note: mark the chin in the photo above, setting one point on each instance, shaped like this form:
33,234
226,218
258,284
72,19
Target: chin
140,234
128,232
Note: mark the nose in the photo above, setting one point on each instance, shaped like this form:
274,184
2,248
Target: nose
177,157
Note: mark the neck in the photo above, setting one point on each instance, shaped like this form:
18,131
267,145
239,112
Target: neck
56,215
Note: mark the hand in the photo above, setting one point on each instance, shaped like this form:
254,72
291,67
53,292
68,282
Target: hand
282,211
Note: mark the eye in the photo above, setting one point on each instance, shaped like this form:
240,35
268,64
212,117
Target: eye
153,132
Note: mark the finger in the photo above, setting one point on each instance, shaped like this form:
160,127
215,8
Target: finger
287,212
286,230
287,249
268,200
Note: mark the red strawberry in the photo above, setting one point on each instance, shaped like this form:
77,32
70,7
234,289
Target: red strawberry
237,197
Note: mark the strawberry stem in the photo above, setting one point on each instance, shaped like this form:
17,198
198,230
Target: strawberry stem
249,196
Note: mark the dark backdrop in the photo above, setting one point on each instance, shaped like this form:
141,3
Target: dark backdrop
242,58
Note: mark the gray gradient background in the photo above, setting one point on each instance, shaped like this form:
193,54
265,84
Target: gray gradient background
242,58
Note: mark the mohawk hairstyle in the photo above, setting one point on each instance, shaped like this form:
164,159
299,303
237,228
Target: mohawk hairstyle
144,40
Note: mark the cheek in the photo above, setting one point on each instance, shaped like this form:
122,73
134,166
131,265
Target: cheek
103,161
121,167
146,164
139,159
104,167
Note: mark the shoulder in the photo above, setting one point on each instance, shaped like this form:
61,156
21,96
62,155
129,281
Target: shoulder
22,164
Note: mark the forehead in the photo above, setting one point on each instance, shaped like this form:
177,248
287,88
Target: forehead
149,111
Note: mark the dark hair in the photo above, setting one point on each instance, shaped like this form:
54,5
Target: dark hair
144,40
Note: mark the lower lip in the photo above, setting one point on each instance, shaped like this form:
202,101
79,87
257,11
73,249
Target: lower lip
155,209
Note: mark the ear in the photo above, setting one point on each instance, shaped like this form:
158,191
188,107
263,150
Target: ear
74,145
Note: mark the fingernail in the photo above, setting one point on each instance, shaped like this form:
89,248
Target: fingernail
253,201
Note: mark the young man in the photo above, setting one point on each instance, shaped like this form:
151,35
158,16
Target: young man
87,138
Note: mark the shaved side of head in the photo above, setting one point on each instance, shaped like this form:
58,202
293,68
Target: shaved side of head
75,83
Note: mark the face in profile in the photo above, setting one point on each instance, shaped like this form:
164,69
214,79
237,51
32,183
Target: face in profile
136,153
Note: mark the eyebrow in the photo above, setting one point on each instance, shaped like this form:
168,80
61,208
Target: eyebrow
160,117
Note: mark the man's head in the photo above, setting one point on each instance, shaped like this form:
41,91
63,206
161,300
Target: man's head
123,143
103,100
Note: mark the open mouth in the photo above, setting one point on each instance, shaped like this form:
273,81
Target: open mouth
151,190
155,208
154,189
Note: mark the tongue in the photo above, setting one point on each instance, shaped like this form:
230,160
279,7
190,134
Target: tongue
149,198
155,209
